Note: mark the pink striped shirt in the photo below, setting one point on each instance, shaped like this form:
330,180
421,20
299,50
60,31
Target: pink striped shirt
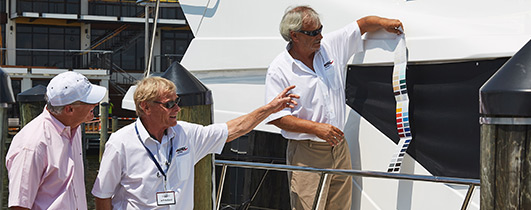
45,166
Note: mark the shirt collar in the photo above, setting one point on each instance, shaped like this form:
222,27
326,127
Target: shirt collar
170,133
58,125
287,56
298,63
290,45
144,135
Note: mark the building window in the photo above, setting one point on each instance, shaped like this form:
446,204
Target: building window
48,6
131,9
174,45
115,8
128,47
3,24
3,44
47,46
3,7
170,13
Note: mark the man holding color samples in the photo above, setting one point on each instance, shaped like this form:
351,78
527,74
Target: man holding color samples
317,66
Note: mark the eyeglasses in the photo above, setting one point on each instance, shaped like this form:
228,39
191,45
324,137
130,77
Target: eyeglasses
169,104
312,33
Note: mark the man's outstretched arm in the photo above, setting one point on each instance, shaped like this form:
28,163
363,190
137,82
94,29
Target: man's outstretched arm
374,23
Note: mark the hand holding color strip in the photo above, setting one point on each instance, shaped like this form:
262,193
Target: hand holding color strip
402,105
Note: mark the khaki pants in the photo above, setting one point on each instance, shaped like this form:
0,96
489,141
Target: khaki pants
337,193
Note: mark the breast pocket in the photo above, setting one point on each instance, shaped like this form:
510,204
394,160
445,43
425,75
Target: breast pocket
181,166
332,76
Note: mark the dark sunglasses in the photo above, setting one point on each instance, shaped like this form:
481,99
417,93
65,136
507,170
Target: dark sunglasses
312,33
169,104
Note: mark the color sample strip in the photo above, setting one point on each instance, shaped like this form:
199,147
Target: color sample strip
402,106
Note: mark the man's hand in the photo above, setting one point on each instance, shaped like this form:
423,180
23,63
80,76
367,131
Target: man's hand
327,132
283,100
243,124
330,133
374,23
392,25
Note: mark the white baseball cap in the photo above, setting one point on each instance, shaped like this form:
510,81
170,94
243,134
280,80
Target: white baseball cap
69,87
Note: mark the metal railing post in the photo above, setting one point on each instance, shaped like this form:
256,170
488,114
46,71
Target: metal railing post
220,189
319,192
467,197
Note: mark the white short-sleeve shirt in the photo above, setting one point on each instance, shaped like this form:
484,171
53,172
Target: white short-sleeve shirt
322,93
130,177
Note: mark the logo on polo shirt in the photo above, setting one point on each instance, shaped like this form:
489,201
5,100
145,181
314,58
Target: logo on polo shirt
327,64
181,150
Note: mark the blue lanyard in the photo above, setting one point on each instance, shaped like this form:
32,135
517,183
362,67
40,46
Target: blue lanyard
153,157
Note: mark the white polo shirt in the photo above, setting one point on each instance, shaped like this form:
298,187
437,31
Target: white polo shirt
322,92
131,178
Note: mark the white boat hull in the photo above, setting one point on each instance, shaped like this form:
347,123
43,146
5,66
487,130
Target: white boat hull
236,40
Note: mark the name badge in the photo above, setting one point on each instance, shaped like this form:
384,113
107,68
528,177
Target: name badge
165,198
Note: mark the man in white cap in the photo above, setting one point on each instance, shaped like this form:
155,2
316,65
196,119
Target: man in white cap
44,161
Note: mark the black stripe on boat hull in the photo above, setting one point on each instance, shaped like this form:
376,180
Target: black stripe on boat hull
444,110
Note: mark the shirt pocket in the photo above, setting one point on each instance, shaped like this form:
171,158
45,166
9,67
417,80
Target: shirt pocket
332,77
181,166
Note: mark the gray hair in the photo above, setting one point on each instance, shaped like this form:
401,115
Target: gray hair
293,19
57,110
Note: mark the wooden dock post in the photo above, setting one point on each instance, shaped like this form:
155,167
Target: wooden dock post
104,126
196,107
114,124
203,185
6,99
505,162
32,103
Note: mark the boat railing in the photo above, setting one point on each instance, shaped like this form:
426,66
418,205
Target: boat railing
324,173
